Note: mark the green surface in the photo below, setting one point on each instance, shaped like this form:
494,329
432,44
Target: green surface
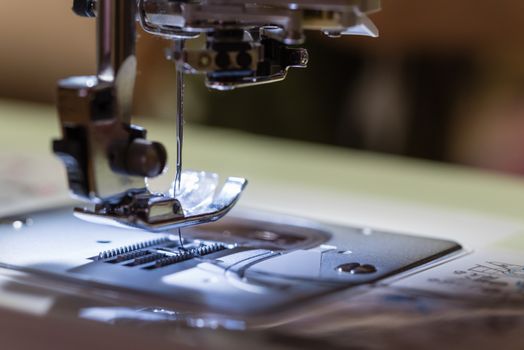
29,128
514,242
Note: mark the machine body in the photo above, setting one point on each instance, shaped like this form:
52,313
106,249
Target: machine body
247,265
181,275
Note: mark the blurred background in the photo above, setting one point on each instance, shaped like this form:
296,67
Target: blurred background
445,80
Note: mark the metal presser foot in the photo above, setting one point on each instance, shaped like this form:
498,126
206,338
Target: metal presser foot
198,201
193,199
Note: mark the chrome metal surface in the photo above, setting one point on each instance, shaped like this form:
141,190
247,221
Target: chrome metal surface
179,122
247,43
116,50
178,18
159,213
252,40
247,265
116,36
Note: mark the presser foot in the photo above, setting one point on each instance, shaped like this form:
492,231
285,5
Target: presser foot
195,203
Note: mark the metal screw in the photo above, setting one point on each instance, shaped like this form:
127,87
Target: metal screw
17,223
205,60
356,268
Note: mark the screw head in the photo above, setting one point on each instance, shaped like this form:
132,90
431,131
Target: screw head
356,268
204,60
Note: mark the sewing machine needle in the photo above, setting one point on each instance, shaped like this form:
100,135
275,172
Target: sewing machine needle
179,121
179,127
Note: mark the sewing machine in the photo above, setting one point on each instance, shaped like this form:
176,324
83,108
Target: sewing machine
109,160
178,249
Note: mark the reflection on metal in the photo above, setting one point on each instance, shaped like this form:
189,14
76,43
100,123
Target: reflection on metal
148,316
245,265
